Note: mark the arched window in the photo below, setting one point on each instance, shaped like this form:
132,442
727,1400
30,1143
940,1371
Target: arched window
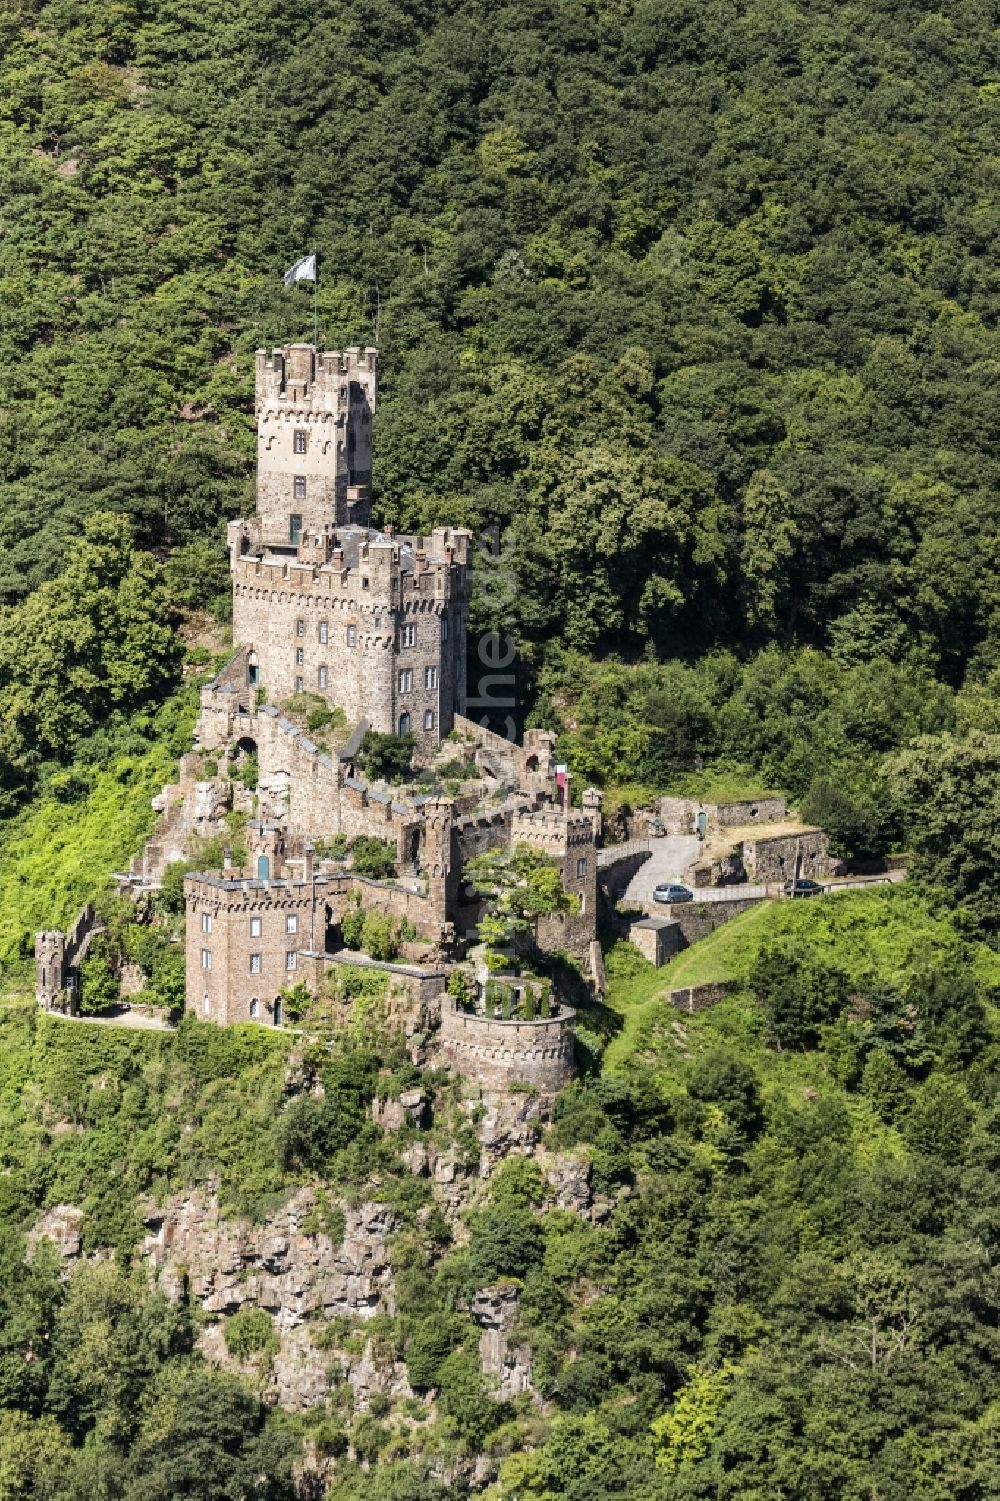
404,724
254,1010
253,670
277,1013
263,868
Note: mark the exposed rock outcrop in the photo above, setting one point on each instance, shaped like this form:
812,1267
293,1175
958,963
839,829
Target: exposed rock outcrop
494,1309
288,1265
63,1226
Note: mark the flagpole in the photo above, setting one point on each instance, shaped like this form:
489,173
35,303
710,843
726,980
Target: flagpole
315,311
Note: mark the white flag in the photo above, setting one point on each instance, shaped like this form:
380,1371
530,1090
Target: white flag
303,270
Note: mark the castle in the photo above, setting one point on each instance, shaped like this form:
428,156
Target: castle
328,610
374,624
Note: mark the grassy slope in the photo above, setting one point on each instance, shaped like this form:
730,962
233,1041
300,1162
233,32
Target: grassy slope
882,932
58,855
878,935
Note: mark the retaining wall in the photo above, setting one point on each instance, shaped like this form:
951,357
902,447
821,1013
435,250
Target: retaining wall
699,997
697,919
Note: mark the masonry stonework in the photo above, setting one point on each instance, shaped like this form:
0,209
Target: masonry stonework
374,625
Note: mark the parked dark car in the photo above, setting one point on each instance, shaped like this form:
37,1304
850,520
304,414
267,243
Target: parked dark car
671,891
802,887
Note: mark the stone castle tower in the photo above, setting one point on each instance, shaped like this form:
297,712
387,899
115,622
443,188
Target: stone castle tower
314,439
373,623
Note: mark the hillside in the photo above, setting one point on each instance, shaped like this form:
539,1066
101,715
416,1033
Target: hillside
690,312
754,1257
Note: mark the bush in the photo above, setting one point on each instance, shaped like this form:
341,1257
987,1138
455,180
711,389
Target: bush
248,1332
99,989
797,993
374,857
723,1079
432,1340
388,756
883,1084
334,848
378,936
940,1121
352,927
505,1240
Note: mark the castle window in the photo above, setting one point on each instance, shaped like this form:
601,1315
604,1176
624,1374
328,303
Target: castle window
255,925
365,583
404,724
206,958
430,677
321,677
324,633
206,922
444,627
206,1006
292,923
295,530
299,487
300,656
277,1012
406,680
300,628
290,959
428,719
253,673
581,867
254,1010
299,442
298,685
409,635
255,964
352,635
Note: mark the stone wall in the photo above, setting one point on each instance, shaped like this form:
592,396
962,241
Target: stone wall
697,919
699,997
773,859
499,1054
750,810
679,815
616,875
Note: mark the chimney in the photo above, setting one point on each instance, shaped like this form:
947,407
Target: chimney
307,862
227,858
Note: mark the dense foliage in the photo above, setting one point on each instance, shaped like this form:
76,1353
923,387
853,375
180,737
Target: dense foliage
695,306
694,303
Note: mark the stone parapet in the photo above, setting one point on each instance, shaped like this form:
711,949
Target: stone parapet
500,1054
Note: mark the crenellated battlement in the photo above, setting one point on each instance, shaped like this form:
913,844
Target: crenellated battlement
314,380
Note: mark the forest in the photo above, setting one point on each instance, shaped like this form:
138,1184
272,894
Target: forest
690,311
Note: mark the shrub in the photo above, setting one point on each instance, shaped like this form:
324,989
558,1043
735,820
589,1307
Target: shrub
797,993
248,1332
374,857
721,1078
432,1340
387,756
378,936
883,1084
334,848
352,927
505,1240
940,1121
99,989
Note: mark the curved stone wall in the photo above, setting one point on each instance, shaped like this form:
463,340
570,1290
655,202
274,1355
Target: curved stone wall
499,1054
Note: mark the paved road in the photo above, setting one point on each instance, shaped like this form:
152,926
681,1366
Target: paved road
668,860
